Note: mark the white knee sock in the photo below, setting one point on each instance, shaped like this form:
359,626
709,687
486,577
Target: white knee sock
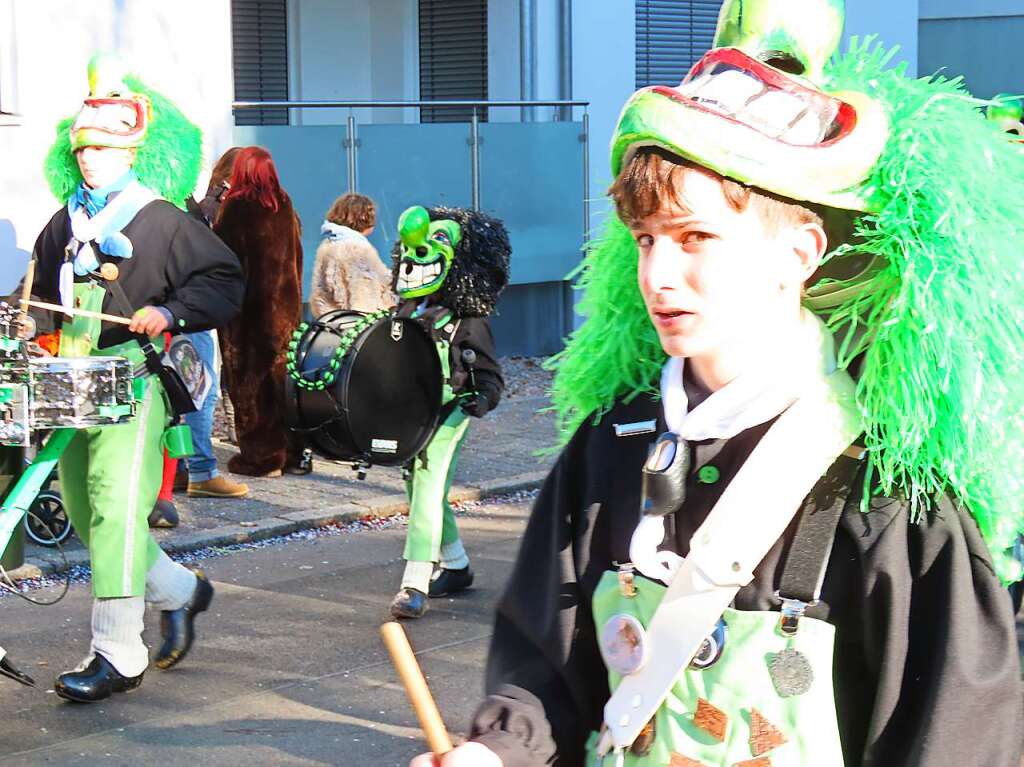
117,633
169,586
417,575
453,556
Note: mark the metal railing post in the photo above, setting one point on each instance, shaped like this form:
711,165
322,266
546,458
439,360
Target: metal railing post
474,158
350,148
585,138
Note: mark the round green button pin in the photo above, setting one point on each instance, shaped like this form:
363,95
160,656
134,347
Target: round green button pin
708,474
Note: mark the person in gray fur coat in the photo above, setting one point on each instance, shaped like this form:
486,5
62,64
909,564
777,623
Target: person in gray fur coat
348,273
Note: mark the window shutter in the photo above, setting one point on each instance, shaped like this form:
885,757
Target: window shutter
259,44
671,36
453,56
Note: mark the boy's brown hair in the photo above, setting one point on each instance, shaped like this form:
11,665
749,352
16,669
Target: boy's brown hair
356,211
653,176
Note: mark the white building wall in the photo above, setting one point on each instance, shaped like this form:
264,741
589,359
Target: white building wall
352,50
182,49
503,81
603,73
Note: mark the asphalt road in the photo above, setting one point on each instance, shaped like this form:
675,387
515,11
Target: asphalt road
288,668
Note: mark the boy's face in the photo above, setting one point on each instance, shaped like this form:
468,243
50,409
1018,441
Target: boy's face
717,281
102,165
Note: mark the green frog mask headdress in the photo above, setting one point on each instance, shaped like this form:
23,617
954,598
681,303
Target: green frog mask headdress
936,321
459,257
120,111
112,115
757,108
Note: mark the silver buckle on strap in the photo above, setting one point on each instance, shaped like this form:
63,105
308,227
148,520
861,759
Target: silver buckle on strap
792,611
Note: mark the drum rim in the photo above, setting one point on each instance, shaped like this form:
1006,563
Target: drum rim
79,363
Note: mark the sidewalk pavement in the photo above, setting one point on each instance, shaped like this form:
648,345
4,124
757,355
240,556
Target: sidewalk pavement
497,457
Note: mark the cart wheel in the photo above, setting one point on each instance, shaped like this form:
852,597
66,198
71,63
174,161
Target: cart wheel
47,522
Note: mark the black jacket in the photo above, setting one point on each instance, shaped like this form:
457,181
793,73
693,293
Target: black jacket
464,333
926,673
177,263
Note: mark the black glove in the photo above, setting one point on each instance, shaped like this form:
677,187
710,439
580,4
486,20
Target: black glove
475,404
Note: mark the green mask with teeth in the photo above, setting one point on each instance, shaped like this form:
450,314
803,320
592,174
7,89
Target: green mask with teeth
428,249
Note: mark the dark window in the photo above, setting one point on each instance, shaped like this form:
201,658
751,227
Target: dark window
259,45
671,36
453,57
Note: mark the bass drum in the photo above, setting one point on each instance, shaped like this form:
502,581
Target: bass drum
376,403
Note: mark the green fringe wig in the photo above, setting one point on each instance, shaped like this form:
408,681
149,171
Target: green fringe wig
168,162
941,331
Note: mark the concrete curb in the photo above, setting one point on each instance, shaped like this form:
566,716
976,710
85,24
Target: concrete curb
381,506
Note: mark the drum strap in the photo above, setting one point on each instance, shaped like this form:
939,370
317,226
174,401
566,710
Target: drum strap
178,396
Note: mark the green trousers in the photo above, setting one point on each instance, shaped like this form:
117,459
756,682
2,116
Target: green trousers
431,519
109,479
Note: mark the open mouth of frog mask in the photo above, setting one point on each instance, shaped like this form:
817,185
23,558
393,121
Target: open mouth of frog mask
754,109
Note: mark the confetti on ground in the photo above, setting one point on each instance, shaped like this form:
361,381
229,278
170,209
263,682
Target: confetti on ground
80,574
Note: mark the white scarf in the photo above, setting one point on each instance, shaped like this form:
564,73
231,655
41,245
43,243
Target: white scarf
755,397
104,229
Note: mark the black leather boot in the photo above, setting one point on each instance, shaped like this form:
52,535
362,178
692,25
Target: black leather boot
409,603
164,514
97,681
177,627
450,581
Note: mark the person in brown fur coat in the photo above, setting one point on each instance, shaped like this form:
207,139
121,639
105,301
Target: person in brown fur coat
258,223
348,273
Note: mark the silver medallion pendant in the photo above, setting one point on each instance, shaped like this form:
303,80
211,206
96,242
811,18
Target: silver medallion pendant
624,644
791,672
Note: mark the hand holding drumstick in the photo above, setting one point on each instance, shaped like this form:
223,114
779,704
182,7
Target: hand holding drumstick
466,755
147,320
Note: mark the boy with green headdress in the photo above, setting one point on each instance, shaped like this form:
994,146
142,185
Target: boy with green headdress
812,292
120,245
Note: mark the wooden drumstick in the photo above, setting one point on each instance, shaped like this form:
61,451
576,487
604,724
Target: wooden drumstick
416,687
82,312
109,271
26,288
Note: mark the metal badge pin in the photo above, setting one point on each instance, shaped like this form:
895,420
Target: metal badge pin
633,429
645,740
711,649
627,579
790,669
791,672
624,644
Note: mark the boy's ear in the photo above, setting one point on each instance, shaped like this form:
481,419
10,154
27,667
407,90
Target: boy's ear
809,244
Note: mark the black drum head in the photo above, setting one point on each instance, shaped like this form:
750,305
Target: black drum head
393,392
384,403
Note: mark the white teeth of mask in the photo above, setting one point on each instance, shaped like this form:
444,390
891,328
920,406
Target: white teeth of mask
731,89
807,130
412,275
774,111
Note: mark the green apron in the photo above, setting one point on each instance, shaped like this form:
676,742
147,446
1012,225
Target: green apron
739,685
110,476
431,518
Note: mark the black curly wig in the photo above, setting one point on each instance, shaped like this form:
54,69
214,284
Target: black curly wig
480,269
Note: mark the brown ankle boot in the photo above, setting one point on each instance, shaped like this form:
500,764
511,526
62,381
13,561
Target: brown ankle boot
218,487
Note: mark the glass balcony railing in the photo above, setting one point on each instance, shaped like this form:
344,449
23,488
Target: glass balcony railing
531,175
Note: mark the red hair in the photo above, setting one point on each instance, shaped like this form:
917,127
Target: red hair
254,177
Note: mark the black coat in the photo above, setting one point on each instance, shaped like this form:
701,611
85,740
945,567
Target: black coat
177,263
927,671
